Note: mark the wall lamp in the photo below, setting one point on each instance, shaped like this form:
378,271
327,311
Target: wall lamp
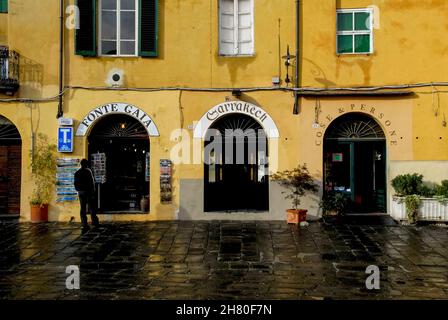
288,61
236,93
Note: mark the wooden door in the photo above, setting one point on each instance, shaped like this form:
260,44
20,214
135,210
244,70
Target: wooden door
10,176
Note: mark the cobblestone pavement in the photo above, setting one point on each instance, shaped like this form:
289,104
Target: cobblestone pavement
222,260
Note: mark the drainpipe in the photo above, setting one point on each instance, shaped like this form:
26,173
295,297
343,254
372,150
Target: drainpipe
61,59
296,96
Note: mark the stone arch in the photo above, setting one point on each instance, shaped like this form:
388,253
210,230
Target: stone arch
241,107
117,108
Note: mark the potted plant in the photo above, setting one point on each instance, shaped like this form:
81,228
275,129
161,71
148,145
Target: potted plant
407,184
334,203
412,203
415,199
43,171
297,181
409,189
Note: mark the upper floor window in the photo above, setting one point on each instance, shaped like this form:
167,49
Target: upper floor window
236,27
354,31
3,6
118,28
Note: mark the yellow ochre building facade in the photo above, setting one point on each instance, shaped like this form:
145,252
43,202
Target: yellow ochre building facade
354,89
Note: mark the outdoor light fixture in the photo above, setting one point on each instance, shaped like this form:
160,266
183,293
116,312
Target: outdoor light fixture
288,58
236,93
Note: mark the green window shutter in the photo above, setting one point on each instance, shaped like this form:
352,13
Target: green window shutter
148,28
3,6
85,36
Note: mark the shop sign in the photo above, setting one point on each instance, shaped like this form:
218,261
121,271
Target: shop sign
65,139
166,194
65,121
117,108
380,117
99,167
241,107
338,157
65,179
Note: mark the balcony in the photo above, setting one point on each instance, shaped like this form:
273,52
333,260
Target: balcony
9,71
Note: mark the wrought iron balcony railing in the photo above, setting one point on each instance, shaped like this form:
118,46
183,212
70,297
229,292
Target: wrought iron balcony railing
9,71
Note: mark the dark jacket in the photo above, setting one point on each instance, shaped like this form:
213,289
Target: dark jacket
84,181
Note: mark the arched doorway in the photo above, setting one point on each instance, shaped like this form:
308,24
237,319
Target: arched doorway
10,167
236,166
355,162
122,143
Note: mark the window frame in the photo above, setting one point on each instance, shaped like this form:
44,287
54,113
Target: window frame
236,30
4,6
118,25
353,33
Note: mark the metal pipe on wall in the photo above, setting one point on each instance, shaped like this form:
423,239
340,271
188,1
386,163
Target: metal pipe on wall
296,95
61,60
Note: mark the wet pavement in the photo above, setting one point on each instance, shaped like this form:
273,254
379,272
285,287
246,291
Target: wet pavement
222,260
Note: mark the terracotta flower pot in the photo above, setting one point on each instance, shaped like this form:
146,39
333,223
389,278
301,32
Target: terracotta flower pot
39,213
296,216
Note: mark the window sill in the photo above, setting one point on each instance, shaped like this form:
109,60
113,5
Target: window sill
115,56
354,54
236,55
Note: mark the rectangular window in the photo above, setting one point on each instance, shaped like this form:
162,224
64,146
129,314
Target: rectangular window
3,6
118,27
354,31
236,27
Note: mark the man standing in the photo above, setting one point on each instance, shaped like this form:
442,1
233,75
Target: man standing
85,185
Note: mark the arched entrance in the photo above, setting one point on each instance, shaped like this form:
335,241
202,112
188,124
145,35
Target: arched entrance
355,162
10,167
122,142
236,166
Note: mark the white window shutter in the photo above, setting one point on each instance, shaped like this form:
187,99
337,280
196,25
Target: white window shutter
226,28
245,27
236,27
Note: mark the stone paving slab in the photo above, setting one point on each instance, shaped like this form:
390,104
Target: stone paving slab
222,260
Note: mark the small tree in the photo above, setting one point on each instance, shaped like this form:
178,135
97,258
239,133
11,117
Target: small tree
43,170
298,181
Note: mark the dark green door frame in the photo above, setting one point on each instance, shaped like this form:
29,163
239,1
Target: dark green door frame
351,143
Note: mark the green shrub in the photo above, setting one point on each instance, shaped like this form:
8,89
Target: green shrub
442,190
334,202
412,203
407,184
426,191
43,170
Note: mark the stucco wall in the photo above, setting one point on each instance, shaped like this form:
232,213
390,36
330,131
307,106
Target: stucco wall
3,28
432,171
192,204
409,47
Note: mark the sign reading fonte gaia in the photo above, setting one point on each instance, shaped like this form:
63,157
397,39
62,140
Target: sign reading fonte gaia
120,108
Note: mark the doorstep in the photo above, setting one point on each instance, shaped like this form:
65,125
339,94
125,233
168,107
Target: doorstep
365,219
9,216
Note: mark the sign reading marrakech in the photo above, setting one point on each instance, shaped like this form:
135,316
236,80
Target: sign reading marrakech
236,107
117,108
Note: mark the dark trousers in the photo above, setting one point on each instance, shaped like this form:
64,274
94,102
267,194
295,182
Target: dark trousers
87,199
